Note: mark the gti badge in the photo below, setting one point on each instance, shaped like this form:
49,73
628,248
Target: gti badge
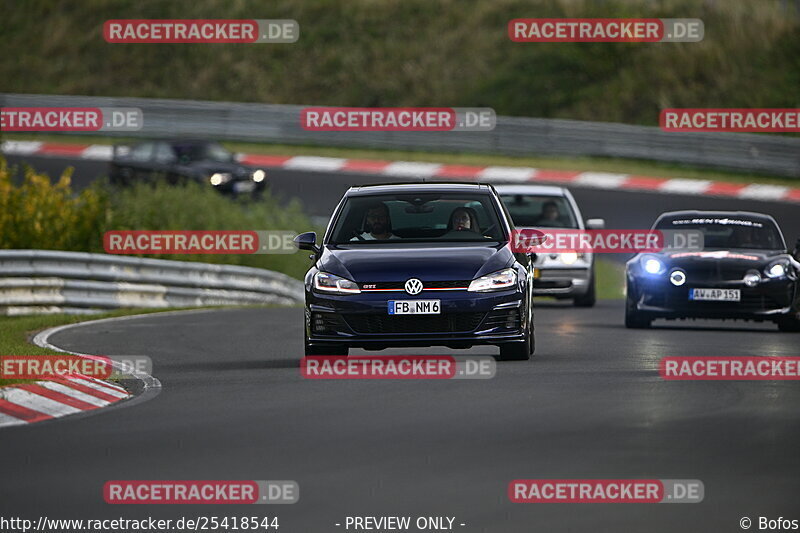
413,286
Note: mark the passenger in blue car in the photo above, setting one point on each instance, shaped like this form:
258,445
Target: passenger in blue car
463,219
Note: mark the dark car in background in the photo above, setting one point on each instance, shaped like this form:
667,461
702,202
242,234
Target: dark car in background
419,264
179,161
744,271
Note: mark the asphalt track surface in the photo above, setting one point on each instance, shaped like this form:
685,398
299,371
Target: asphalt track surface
589,405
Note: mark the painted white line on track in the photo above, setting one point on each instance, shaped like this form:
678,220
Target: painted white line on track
38,403
20,147
763,192
507,174
73,393
99,152
8,420
117,392
601,180
411,169
319,164
684,186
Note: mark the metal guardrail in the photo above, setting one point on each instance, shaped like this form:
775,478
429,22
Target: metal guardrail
43,281
772,154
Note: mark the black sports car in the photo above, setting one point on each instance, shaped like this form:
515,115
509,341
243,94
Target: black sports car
744,271
179,161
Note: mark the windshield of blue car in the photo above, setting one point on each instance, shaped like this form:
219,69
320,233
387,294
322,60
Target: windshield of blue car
728,232
539,211
427,217
203,152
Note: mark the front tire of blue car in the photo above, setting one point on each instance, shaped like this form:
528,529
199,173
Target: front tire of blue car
516,351
521,351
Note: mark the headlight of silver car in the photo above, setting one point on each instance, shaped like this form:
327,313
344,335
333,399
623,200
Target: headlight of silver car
332,284
570,258
496,281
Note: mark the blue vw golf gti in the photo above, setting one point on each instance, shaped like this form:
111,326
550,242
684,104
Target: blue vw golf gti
418,264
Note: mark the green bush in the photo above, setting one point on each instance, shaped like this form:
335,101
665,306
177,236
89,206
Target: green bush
40,215
195,207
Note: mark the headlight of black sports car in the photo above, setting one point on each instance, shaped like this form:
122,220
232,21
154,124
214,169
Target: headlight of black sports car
652,265
777,269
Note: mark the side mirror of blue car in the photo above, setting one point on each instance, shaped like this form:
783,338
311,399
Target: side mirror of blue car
307,241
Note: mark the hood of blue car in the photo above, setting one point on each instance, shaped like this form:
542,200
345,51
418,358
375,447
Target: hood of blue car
389,262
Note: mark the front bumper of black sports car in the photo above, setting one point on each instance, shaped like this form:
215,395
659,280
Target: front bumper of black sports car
658,298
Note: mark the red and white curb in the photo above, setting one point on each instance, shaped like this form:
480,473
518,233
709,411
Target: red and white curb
420,170
27,403
40,401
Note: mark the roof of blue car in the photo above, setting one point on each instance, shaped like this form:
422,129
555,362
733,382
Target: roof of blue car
404,188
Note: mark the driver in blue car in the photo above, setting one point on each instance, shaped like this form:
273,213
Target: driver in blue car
378,224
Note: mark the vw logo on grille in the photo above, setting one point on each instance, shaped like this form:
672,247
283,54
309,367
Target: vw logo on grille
413,286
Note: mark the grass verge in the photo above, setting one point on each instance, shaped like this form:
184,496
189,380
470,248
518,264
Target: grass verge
610,279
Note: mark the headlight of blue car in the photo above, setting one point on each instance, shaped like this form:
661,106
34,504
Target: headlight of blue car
496,281
332,284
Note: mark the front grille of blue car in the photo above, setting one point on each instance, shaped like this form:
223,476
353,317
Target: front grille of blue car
384,324
428,285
